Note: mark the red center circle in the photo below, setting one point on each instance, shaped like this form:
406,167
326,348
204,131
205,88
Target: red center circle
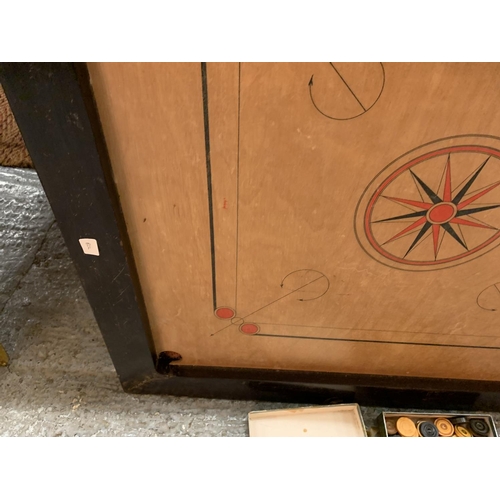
441,213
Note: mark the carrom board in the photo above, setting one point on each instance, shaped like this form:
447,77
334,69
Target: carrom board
333,217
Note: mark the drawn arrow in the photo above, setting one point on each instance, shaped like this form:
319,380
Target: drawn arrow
307,284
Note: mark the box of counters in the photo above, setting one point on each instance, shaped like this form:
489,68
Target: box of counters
413,424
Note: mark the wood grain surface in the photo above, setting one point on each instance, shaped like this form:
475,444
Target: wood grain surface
313,216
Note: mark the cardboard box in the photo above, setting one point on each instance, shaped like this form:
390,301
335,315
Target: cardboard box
319,421
431,417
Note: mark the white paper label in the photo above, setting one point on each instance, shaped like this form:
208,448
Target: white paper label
89,246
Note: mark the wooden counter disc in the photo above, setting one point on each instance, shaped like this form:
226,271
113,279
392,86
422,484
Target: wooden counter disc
390,425
462,432
458,420
479,427
444,427
406,427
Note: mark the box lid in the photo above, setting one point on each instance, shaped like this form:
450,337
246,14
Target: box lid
317,421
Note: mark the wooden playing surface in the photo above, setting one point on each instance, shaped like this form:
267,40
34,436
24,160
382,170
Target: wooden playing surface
313,216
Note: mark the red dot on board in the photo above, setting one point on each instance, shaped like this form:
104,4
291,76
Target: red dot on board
249,328
224,313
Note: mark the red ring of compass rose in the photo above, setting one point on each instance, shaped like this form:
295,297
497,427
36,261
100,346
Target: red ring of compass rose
440,211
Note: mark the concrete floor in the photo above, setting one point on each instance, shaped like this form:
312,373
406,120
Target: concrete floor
61,381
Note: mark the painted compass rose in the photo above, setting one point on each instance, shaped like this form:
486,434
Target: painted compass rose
435,207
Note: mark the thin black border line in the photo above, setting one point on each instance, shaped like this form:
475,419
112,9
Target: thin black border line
238,191
384,331
375,341
204,85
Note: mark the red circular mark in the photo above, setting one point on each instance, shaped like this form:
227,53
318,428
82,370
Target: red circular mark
440,152
225,313
442,213
249,328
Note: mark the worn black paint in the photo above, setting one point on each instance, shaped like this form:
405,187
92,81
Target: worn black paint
54,108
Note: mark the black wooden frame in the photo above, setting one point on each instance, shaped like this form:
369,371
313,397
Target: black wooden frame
54,107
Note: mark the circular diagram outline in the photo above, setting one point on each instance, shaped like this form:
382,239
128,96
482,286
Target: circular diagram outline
380,175
351,117
322,275
407,166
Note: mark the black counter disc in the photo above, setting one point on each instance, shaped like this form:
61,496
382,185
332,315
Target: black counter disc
479,427
426,429
458,420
